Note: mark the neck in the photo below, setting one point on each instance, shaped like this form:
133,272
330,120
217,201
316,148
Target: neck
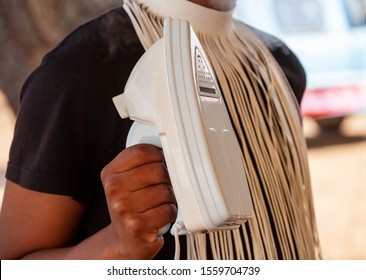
220,5
202,18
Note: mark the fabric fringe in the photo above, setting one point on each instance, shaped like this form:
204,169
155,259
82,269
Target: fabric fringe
266,118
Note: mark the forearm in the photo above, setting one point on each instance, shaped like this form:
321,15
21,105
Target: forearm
100,246
140,201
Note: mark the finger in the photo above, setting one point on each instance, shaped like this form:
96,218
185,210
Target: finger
160,216
151,197
135,156
138,178
147,175
146,225
135,204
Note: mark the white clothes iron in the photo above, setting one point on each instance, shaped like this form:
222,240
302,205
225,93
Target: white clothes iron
173,96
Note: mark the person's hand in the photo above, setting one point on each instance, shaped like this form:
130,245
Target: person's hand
140,201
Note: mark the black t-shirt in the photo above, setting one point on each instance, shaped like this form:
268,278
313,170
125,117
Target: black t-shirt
68,129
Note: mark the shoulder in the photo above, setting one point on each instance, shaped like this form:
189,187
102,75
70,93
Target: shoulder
99,53
67,104
287,60
106,35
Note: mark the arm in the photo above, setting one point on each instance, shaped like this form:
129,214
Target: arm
140,200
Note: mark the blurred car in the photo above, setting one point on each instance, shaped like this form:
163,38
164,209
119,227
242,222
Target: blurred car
329,38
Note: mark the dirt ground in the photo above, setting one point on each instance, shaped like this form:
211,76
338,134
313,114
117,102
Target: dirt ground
338,168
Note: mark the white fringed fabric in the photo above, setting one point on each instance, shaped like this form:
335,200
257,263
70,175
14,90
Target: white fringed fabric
267,121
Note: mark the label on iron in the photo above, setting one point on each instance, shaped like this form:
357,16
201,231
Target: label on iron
205,82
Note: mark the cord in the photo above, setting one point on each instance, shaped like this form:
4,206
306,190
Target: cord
177,228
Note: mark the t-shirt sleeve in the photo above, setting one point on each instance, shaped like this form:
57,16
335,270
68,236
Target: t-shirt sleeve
49,152
67,128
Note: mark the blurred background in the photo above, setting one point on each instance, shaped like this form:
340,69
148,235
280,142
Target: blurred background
328,36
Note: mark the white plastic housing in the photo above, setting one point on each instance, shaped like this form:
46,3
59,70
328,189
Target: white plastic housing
173,89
